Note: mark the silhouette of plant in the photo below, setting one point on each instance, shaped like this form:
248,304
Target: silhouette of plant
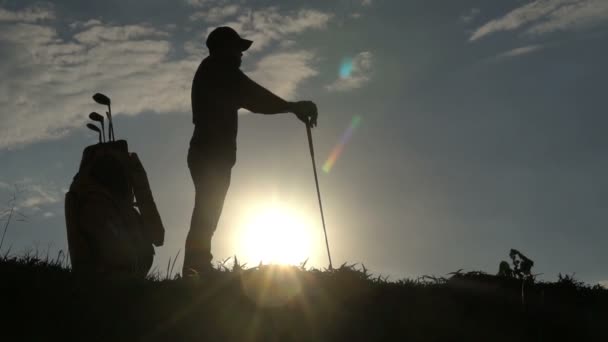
522,265
10,212
432,280
568,281
171,265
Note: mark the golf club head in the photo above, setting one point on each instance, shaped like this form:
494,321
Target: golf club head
102,99
99,118
93,128
96,129
96,117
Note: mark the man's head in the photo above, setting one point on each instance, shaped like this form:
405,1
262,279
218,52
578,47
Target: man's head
225,42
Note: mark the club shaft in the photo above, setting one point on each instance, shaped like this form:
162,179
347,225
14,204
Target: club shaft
111,125
314,168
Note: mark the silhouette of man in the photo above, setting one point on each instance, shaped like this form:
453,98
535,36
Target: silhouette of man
219,89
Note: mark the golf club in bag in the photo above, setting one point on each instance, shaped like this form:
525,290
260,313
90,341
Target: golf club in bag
104,100
99,118
94,128
314,168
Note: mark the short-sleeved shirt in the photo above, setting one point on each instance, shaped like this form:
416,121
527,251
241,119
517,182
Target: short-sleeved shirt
219,90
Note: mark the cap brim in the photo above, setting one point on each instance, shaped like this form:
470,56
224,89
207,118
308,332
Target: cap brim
245,44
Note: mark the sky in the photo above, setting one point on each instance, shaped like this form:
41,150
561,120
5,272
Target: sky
456,130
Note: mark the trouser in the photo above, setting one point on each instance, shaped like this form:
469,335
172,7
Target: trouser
211,177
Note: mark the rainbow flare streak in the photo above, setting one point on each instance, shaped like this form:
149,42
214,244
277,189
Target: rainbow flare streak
337,150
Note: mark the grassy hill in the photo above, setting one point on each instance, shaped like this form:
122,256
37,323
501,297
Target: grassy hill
42,300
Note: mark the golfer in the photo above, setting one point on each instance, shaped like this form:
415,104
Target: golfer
219,89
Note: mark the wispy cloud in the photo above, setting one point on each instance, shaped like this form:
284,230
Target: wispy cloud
360,70
283,72
216,14
97,33
36,195
30,194
268,25
545,16
520,51
29,15
205,3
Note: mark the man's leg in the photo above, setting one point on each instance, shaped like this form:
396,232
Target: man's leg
211,182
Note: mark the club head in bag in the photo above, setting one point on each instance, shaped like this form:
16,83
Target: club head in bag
99,118
94,128
102,99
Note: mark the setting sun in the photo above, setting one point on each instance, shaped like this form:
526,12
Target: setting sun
275,235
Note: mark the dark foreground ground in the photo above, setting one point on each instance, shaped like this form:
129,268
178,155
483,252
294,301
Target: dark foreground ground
42,301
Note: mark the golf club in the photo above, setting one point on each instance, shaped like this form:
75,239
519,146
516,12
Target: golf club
96,129
104,100
314,167
99,118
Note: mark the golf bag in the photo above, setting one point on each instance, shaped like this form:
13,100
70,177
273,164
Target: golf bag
111,219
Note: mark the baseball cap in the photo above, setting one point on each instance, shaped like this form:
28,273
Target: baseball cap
226,37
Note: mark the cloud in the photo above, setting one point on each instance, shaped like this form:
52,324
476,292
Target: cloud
520,51
28,15
216,14
603,283
50,77
97,33
358,74
35,195
204,3
48,214
268,25
546,16
282,72
30,195
81,24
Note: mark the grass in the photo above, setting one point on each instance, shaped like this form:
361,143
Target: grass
42,300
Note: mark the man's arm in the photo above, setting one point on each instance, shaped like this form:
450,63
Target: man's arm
258,99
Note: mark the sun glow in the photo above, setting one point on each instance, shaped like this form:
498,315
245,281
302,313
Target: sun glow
275,235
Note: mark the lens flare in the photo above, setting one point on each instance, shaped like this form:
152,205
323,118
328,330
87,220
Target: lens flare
346,67
337,150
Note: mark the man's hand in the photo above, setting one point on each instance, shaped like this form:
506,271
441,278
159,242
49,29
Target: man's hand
306,111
